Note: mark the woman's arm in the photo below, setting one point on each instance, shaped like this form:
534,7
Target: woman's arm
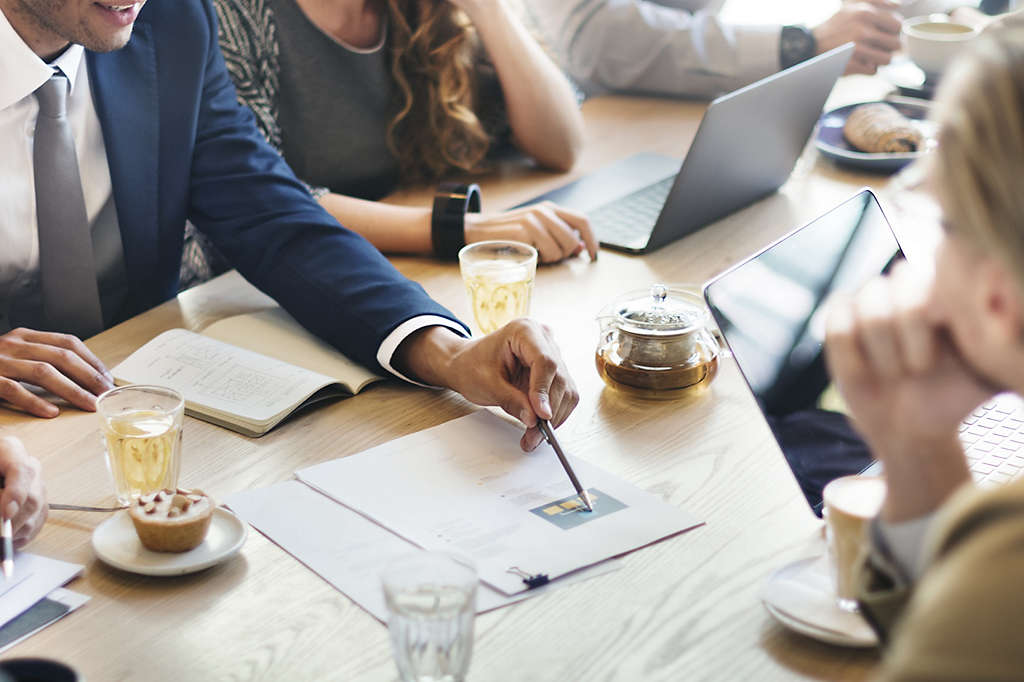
555,232
249,42
542,111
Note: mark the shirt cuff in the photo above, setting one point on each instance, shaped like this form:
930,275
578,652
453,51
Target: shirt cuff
386,352
904,543
757,51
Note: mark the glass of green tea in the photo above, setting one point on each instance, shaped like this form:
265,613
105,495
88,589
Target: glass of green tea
499,280
141,429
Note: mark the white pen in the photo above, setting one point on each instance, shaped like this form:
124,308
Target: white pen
7,551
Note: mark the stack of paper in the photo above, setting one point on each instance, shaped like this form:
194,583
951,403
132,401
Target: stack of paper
463,487
345,549
33,598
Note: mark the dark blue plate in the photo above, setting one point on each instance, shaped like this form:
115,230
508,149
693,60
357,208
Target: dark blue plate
830,141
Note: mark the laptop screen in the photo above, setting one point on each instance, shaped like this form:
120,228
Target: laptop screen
770,309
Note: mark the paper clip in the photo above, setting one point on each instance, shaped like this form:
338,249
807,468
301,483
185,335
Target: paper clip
531,581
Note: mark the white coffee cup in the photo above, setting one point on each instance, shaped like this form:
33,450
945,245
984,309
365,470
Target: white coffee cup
933,40
851,502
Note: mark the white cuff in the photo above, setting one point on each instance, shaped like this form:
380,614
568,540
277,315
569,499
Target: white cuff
400,333
757,51
906,543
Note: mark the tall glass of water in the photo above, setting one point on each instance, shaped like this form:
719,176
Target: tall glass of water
431,600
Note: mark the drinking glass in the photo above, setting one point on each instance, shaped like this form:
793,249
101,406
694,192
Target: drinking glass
851,502
141,428
431,600
499,280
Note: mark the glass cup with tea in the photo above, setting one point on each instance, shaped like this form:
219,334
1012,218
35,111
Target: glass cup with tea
499,280
431,602
851,502
141,429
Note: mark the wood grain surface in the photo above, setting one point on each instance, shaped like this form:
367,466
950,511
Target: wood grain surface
686,608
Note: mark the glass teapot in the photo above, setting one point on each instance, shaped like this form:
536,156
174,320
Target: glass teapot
656,343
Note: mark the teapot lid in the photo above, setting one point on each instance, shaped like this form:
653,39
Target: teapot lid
660,311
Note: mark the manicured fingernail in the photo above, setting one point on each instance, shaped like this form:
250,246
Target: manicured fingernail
51,410
12,509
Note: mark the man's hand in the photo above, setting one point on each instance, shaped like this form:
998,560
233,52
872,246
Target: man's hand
557,233
517,368
874,28
59,363
906,386
23,499
970,16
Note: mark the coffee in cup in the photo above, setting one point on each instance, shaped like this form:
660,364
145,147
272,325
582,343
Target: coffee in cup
851,502
932,41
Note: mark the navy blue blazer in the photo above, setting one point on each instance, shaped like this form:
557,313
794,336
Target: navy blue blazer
181,147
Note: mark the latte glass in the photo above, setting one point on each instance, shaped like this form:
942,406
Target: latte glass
851,502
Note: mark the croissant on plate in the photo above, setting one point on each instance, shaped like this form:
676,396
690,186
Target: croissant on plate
880,128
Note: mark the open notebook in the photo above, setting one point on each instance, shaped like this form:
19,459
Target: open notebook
246,373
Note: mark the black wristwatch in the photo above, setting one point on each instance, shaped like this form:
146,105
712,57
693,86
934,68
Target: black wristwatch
796,44
448,218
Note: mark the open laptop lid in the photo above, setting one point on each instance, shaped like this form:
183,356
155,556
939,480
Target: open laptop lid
770,311
745,147
747,144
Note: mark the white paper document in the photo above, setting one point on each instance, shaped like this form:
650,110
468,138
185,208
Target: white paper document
465,486
36,576
345,549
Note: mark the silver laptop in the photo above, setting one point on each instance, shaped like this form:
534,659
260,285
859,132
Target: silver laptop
770,312
745,148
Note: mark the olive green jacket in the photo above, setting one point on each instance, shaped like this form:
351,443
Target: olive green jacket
964,620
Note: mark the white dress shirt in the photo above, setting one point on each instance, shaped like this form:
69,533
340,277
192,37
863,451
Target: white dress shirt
905,543
23,72
672,47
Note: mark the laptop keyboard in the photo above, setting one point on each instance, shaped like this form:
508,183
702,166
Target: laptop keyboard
993,436
629,220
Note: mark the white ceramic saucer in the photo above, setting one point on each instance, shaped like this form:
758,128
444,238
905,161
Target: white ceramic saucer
802,597
116,543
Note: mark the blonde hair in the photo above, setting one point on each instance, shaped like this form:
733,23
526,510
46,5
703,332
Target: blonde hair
433,61
977,172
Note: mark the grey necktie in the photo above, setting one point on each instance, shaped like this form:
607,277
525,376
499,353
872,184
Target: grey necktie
71,297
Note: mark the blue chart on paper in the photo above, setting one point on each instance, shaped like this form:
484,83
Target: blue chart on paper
568,512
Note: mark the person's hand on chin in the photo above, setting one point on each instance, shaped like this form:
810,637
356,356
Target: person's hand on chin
517,368
906,387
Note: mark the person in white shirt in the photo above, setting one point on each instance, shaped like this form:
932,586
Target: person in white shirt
912,355
683,48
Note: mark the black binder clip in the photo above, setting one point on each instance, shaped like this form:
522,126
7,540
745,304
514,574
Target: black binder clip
530,581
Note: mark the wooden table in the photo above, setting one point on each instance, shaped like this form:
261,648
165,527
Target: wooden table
684,608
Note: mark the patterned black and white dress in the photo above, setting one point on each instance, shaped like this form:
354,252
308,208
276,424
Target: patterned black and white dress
323,104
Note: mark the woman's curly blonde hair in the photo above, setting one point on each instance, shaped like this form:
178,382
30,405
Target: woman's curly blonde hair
433,61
